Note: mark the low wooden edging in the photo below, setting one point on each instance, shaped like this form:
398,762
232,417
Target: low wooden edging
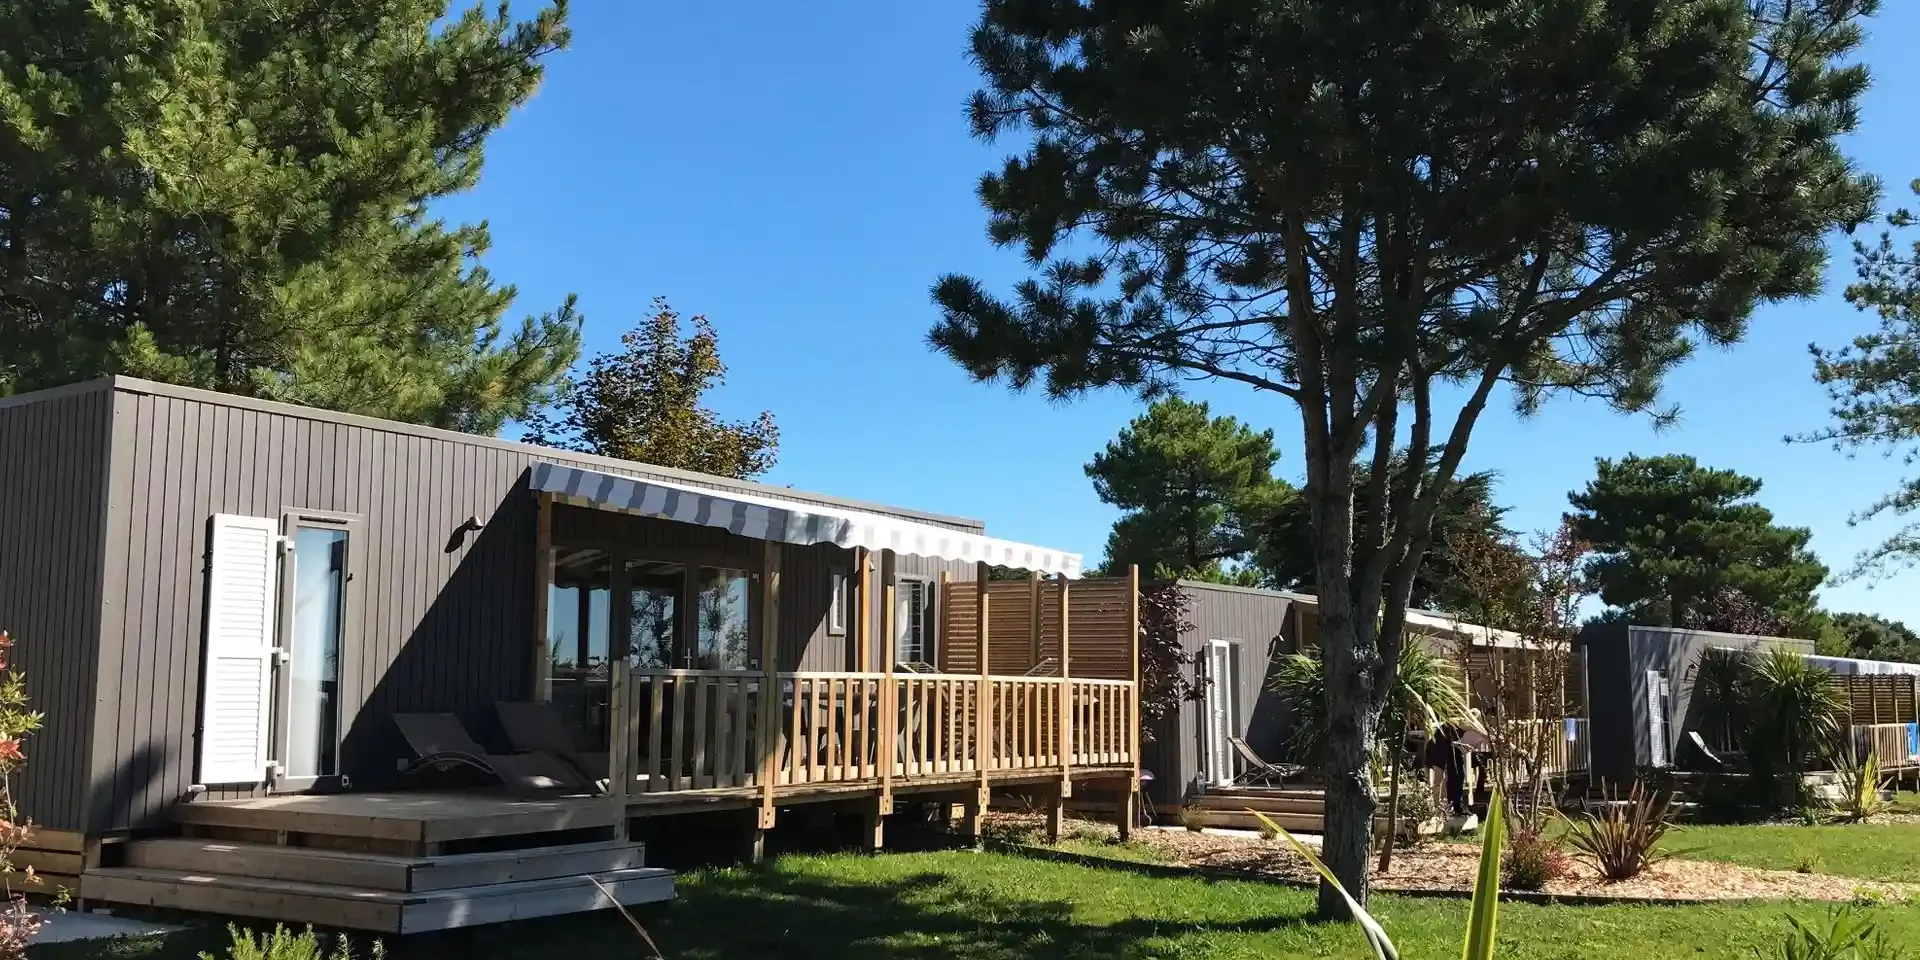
1175,872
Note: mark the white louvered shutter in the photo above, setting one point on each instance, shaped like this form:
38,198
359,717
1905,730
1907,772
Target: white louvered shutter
236,705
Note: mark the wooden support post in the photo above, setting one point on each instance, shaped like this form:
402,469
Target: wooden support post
973,821
1056,812
757,845
985,725
621,730
1034,619
873,830
862,609
1130,797
1066,695
542,597
769,706
890,720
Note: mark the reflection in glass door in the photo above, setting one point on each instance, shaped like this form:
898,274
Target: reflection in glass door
308,694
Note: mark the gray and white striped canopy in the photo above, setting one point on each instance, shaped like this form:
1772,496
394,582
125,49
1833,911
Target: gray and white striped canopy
785,521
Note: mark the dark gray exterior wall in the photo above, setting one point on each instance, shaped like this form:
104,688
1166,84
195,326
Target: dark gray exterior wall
53,509
1619,658
436,624
1260,622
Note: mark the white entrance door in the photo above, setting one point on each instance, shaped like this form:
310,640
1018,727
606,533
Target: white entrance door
1220,713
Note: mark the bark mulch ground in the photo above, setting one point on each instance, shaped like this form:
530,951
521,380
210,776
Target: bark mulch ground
1450,867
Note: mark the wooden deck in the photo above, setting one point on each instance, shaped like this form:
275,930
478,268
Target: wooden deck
392,863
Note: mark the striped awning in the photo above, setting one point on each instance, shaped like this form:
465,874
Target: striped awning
786,521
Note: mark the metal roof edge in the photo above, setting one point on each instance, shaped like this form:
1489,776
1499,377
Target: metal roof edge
138,386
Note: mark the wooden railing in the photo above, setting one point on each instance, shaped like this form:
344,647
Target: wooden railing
1891,743
685,730
1566,742
1102,712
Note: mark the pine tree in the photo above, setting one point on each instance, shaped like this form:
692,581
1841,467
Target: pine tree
1365,207
643,403
233,194
1678,544
1192,486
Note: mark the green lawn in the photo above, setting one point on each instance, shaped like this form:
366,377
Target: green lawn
1870,851
983,906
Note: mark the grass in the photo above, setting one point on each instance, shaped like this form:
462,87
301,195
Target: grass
1866,851
987,906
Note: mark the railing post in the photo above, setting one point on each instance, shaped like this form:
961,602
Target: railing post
984,724
1130,706
769,706
1066,697
620,741
890,718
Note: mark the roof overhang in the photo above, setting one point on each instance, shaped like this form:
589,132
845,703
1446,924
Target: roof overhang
784,521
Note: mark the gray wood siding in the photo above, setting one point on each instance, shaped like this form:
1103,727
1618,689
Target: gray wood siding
53,500
1255,618
433,624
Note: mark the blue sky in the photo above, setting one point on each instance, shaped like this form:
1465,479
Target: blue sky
801,173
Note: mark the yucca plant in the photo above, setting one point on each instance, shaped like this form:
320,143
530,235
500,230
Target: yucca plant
1625,841
1720,691
1482,918
1427,693
1794,706
1860,786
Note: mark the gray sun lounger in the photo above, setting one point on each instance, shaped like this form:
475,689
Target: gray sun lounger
1259,771
440,739
534,727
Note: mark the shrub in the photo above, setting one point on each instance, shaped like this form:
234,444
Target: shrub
283,944
1860,787
17,922
1806,860
1625,841
1533,860
1193,818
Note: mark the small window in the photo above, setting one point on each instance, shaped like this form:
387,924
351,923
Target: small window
837,604
914,619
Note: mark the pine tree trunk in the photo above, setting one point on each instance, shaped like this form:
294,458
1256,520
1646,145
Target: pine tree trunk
1350,803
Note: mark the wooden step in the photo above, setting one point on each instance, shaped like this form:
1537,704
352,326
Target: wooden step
1242,820
1271,793
374,871
1240,804
379,911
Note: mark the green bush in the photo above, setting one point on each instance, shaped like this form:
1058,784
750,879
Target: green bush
283,944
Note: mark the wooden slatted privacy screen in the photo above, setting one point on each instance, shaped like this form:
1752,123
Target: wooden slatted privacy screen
1100,611
1880,698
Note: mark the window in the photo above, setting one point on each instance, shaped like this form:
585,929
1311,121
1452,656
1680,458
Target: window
723,641
913,620
837,601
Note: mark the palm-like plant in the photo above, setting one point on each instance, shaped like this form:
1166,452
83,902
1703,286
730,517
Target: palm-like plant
1427,693
1794,707
1860,785
1720,690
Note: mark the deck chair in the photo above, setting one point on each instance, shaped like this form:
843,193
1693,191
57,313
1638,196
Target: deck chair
440,740
1259,772
913,666
534,727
